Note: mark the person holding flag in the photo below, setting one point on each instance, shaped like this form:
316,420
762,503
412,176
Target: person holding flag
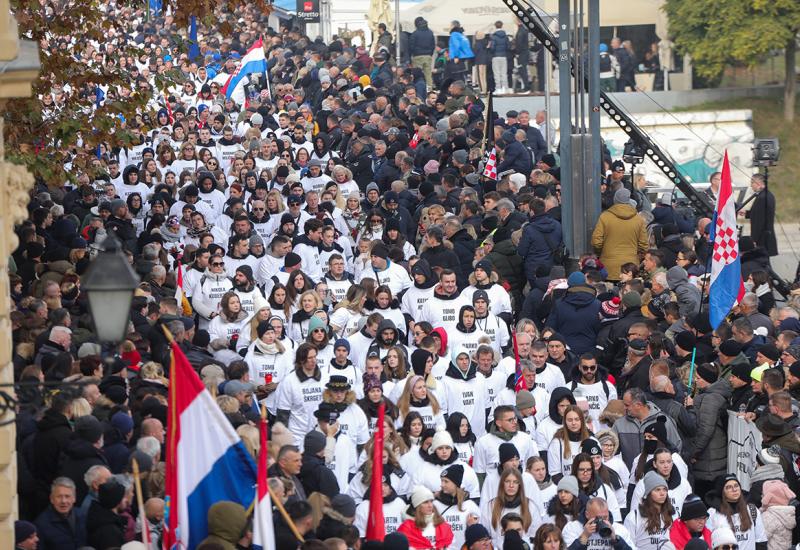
726,287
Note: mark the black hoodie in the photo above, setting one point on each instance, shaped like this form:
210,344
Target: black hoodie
558,395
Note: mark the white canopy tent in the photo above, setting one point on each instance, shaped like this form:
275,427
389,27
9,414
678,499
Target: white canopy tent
480,15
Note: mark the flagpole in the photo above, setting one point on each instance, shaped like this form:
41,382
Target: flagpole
140,501
376,524
285,515
691,369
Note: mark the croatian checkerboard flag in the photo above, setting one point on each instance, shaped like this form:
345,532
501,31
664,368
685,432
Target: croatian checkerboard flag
726,271
491,165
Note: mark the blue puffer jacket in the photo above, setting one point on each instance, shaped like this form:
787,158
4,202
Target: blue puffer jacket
576,318
499,43
422,41
539,238
459,46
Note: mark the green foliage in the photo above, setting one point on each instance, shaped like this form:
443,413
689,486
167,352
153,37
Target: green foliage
717,33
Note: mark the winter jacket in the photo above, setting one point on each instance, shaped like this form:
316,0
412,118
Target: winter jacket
619,237
442,256
679,534
516,157
498,43
53,434
506,227
416,540
614,346
422,41
481,49
540,237
464,247
317,477
688,294
458,46
685,419
779,521
577,318
226,524
508,264
57,532
630,432
104,528
709,447
79,456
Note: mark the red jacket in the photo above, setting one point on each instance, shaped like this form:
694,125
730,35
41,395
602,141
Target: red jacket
679,534
444,536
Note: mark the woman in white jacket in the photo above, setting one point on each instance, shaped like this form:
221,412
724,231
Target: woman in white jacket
440,455
649,522
510,498
268,361
566,443
230,321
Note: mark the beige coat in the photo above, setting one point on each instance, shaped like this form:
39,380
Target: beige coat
619,237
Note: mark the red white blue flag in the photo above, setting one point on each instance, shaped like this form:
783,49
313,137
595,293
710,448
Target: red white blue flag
263,530
206,459
726,288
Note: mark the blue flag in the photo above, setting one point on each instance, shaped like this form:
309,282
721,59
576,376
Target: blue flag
194,49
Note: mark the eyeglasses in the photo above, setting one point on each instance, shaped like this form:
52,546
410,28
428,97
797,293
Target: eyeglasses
585,470
218,264
589,368
258,209
211,163
728,547
319,330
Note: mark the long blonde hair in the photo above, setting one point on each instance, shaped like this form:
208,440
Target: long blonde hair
500,502
404,402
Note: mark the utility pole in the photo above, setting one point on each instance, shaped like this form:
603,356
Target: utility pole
565,130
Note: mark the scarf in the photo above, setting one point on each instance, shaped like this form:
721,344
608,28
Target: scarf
269,349
447,500
420,403
192,232
556,284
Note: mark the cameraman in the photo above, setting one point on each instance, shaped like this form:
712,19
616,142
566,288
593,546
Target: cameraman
596,520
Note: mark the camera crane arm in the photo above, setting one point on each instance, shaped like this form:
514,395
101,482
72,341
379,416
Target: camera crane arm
699,201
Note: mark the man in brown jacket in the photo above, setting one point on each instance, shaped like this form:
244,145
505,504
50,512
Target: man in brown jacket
620,235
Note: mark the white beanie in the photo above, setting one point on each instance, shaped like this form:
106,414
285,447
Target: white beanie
442,438
722,535
421,494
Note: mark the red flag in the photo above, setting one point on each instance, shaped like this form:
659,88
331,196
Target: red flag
376,525
519,380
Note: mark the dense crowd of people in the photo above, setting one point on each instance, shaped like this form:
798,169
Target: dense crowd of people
340,249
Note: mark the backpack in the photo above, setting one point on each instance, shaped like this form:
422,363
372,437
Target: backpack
559,252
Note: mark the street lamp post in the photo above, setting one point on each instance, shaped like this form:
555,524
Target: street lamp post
109,284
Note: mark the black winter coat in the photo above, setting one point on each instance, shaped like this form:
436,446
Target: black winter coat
516,157
442,256
104,528
615,348
762,222
59,533
54,432
576,317
79,456
464,247
422,41
317,477
709,447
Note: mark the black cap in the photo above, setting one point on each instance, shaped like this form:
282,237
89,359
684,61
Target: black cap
731,348
292,259
742,372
